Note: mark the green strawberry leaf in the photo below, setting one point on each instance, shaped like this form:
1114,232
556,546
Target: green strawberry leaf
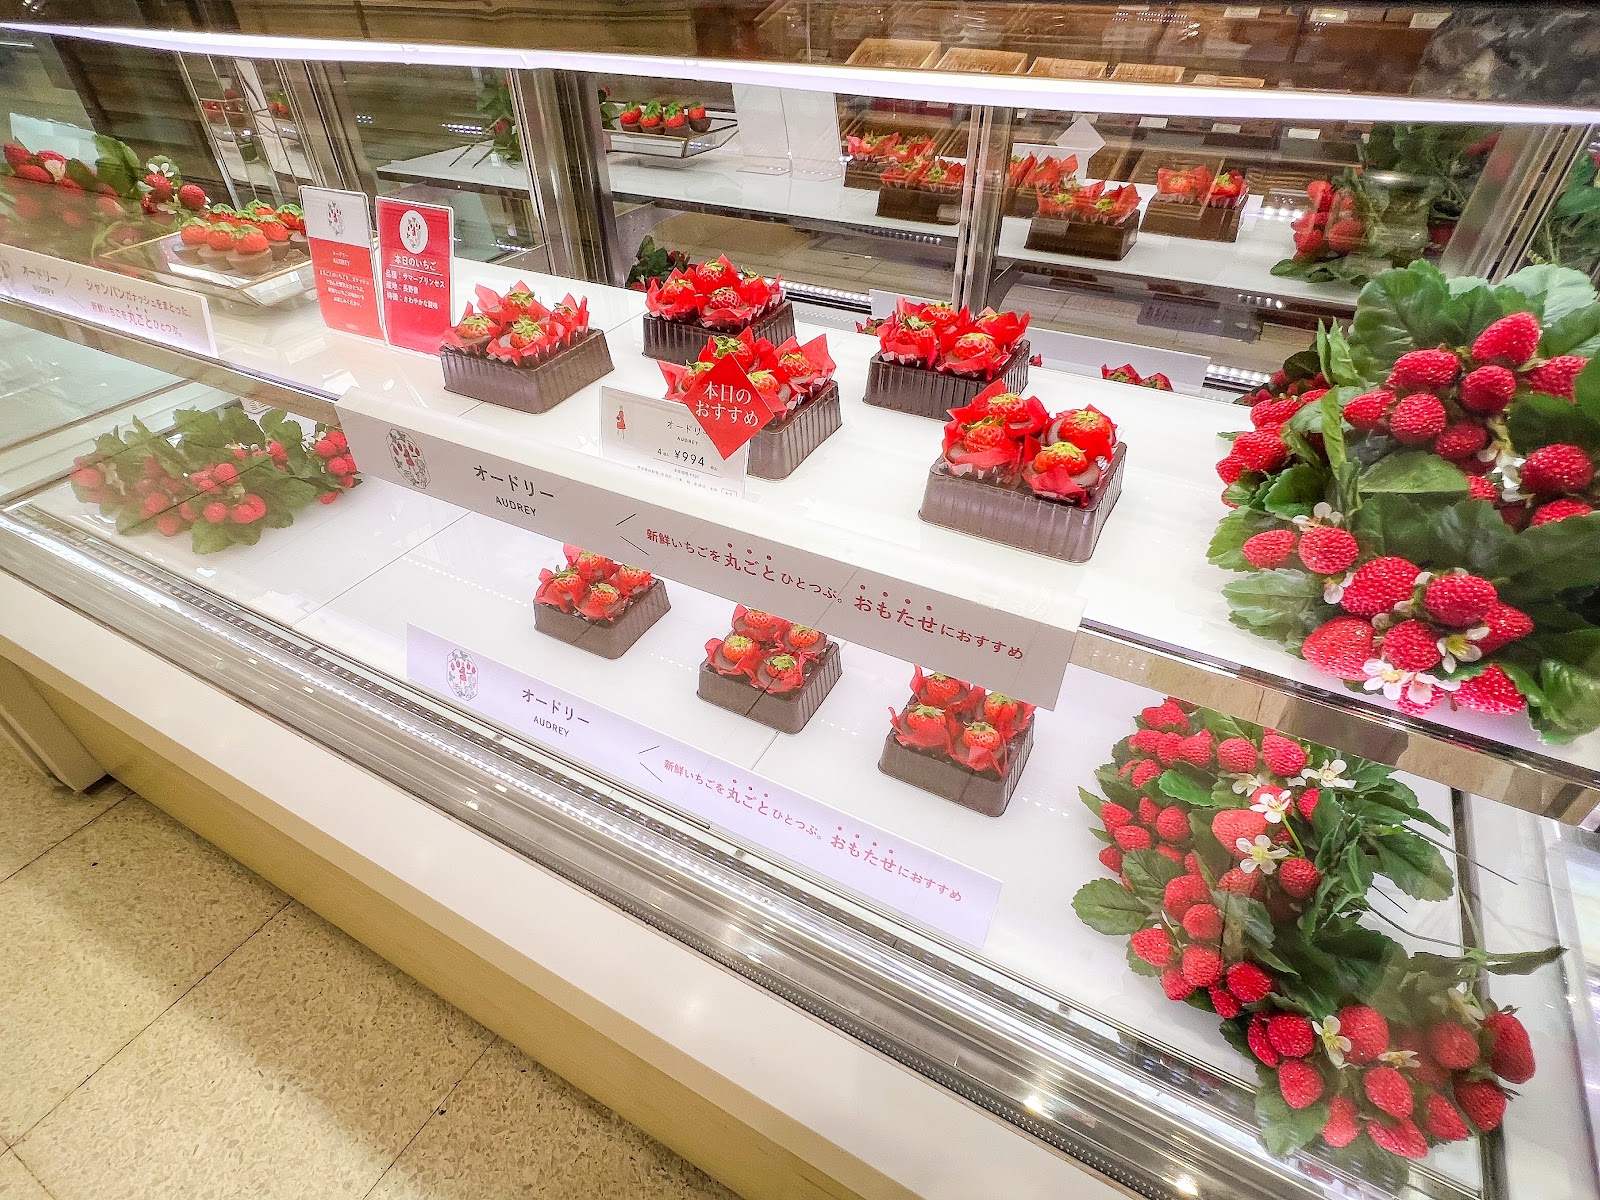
1181,787
1233,531
1412,863
1148,875
1412,472
1139,967
207,538
1333,356
1223,727
1284,604
1332,410
1473,310
1245,922
1213,858
1107,907
1283,1129
1303,364
1549,292
1572,332
1296,491
1536,419
1553,558
1399,310
1522,962
1092,801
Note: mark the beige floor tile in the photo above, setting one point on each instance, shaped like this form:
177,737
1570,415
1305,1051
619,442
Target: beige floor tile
36,812
513,1129
300,1067
99,937
16,1183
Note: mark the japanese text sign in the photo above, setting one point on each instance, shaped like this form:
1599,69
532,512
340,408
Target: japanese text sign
415,243
1022,651
940,893
728,407
660,436
149,310
339,229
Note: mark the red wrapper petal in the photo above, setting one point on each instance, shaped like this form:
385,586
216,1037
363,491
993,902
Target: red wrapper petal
1055,484
980,758
931,737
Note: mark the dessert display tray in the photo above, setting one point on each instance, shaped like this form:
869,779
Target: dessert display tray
925,393
607,639
953,781
914,204
1210,223
534,389
787,712
1019,518
673,145
157,259
682,341
778,449
1091,239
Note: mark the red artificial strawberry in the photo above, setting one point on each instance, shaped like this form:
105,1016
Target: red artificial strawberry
1418,418
1441,1120
1550,470
1149,810
1378,585
1236,755
1346,235
1387,1088
803,639
1166,716
1300,1083
1175,985
1172,825
1249,982
696,112
1369,410
920,718
1269,549
160,186
1260,450
1143,772
942,690
1307,802
1506,625
1510,341
1557,376
251,241
1479,488
629,117
1291,1035
1367,1030
1411,646
1341,1128
1202,965
1241,883
1508,1047
1399,1137
1182,894
1203,922
1491,692
1225,1003
1170,853
1558,510
632,579
1260,1044
215,513
1327,550
1483,1101
1090,430
674,120
192,196
1283,756
1112,815
1309,242
1195,749
1133,837
220,237
1111,859
1459,600
1452,1045
15,155
1423,370
1299,877
1271,414
1230,468
1487,390
1460,441
1341,648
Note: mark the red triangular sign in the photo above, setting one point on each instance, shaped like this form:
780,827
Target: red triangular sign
728,407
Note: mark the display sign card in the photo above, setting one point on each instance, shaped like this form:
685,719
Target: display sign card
662,437
415,243
937,891
163,314
1023,653
339,228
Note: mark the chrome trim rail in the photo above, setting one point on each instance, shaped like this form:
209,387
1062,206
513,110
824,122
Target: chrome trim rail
1129,1109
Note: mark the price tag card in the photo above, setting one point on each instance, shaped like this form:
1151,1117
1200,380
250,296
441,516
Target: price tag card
415,242
1305,134
1241,12
1152,122
662,437
1330,16
1225,127
939,892
137,306
1428,20
339,229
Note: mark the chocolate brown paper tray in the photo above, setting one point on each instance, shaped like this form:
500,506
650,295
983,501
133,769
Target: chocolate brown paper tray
607,639
926,393
534,389
787,712
981,793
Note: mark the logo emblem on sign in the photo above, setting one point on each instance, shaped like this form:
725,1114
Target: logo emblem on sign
461,673
408,459
335,220
413,231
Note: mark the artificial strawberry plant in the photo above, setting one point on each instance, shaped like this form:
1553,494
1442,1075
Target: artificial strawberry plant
1424,527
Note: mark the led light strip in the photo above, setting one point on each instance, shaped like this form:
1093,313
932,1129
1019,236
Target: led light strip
942,87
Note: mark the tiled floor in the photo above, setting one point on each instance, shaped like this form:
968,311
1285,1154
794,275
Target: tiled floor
173,1026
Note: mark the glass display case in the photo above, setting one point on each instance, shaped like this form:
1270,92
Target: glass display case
762,463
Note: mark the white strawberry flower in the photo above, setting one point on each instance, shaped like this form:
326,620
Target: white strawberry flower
1273,804
56,167
1260,855
1334,1042
165,169
1329,775
1333,590
1249,783
1415,686
1466,1004
1322,514
1399,1058
1460,646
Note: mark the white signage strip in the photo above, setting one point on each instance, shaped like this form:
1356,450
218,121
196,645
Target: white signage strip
936,891
996,649
168,315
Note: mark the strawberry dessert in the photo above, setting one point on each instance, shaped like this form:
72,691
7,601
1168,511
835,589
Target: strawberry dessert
596,604
769,669
959,741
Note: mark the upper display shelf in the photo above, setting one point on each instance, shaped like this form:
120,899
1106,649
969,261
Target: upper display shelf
1466,63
